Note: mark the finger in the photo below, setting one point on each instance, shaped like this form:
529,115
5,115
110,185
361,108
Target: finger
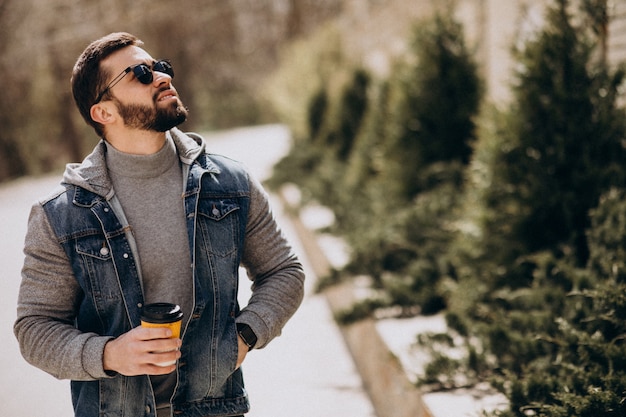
164,358
162,345
158,370
152,369
151,333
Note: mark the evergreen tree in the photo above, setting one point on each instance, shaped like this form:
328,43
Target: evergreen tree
562,145
352,109
553,325
438,95
406,173
585,376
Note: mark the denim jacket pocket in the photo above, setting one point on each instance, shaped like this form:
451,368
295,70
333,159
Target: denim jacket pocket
96,262
94,246
218,225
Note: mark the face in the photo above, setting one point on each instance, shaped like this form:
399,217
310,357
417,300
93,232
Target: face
155,106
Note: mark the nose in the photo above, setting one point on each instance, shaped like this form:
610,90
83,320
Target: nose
160,78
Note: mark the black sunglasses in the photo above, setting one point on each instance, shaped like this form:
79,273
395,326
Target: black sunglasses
142,72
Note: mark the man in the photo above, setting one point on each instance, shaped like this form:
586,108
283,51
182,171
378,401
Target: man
150,216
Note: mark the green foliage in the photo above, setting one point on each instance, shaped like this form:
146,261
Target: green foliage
352,109
607,237
317,112
389,159
360,310
550,297
309,68
407,179
433,100
562,147
338,128
514,226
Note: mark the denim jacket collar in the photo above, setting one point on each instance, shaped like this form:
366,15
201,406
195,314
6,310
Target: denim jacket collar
92,174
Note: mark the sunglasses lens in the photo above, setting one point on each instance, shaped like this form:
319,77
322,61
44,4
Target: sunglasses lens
143,74
164,67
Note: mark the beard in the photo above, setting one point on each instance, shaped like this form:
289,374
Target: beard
153,118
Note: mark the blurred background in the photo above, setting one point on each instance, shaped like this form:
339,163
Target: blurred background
237,63
472,153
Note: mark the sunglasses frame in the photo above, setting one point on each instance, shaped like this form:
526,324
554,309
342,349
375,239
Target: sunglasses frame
143,73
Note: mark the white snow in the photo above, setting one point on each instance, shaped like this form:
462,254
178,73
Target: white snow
400,335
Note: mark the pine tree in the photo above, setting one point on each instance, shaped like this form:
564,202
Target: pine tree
438,95
562,147
554,325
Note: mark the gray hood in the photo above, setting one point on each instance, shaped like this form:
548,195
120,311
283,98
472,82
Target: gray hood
92,174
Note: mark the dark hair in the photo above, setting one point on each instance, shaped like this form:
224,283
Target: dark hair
88,79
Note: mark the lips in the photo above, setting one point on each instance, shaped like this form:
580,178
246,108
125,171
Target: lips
167,95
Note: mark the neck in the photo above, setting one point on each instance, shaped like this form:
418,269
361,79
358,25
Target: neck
137,142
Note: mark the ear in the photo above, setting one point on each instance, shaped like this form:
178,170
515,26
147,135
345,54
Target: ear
101,113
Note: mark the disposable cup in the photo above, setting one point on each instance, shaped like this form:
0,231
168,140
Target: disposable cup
163,315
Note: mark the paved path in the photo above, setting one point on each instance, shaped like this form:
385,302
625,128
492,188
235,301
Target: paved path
24,390
307,372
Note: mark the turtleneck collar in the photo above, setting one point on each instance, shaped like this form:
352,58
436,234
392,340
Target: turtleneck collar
141,166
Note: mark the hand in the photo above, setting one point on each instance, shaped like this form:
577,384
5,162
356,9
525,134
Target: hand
135,352
242,351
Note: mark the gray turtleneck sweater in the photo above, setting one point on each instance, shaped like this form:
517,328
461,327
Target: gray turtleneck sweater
150,189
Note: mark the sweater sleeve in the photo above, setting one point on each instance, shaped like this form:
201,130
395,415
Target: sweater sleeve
276,272
47,306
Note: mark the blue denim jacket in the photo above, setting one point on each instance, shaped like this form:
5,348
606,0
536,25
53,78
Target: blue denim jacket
104,263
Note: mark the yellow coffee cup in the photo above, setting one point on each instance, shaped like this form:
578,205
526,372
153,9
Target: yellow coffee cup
163,315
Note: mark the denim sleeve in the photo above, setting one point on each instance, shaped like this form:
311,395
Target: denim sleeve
46,308
276,272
